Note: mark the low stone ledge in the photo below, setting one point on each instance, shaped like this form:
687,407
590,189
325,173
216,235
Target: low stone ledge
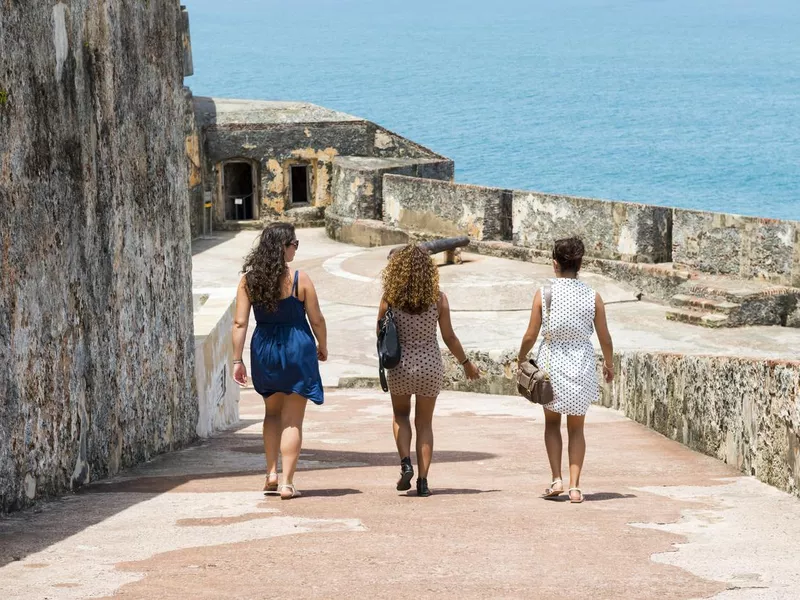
359,383
218,393
362,232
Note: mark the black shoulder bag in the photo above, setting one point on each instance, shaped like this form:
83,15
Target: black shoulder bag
388,347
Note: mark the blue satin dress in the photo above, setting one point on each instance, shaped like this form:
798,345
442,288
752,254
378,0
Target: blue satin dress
283,353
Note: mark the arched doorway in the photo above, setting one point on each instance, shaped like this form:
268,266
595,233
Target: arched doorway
238,187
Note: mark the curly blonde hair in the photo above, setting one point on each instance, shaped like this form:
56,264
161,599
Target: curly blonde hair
411,280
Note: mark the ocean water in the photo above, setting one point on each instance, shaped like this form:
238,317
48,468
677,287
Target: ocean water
689,103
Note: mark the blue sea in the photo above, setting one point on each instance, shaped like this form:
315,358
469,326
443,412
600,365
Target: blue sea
690,103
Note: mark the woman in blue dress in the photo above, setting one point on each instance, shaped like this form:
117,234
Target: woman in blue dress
284,357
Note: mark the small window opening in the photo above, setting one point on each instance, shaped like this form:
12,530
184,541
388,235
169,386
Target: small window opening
300,186
238,178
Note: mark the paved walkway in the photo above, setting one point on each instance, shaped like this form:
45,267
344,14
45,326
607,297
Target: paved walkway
660,521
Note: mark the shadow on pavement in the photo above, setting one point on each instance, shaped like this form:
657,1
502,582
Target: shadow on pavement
455,492
331,493
593,497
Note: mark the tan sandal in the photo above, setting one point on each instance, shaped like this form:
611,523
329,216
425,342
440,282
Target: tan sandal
552,492
293,493
271,486
580,495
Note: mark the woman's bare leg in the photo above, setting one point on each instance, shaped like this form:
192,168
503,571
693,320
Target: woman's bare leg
294,410
577,448
401,424
552,442
423,422
272,432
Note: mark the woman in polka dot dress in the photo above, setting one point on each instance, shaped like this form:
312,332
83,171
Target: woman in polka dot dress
567,354
411,289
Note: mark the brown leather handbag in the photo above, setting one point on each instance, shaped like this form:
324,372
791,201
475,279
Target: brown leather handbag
534,382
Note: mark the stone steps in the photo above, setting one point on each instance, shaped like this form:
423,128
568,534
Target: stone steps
704,304
695,317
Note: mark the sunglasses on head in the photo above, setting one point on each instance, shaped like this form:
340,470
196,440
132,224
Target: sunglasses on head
295,243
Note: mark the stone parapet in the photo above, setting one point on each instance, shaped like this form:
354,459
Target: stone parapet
745,247
446,208
613,230
357,188
218,393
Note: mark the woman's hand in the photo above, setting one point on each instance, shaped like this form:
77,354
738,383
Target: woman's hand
471,371
322,353
608,372
240,374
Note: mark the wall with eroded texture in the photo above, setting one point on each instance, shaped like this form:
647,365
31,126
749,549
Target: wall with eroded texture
96,347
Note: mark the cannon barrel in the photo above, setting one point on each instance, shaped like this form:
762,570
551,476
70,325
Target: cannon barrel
443,245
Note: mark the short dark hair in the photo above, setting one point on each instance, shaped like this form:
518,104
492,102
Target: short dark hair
568,253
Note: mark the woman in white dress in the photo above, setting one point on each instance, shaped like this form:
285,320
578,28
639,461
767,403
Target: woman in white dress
575,311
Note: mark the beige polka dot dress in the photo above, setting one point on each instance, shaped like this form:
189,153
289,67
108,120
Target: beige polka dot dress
421,371
568,354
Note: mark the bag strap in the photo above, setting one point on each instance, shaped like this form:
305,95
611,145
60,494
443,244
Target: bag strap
382,375
547,301
389,315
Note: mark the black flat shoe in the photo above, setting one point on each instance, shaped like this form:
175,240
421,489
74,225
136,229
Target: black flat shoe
406,475
422,488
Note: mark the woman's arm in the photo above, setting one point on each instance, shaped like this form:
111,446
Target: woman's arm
451,339
315,318
240,322
604,337
534,326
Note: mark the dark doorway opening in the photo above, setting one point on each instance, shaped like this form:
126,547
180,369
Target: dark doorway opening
300,185
238,180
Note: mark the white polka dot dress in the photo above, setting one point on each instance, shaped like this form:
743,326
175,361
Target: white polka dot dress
421,370
566,351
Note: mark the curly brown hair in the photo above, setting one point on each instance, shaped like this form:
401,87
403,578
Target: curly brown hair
411,280
265,266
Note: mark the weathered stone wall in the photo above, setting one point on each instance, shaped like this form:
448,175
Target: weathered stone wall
745,412
746,247
194,157
446,208
217,392
615,230
96,356
357,188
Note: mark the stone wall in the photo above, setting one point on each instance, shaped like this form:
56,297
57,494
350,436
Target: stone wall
614,230
357,188
745,412
446,208
194,158
217,392
96,356
742,411
746,247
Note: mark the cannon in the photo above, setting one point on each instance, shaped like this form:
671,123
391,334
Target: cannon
450,246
